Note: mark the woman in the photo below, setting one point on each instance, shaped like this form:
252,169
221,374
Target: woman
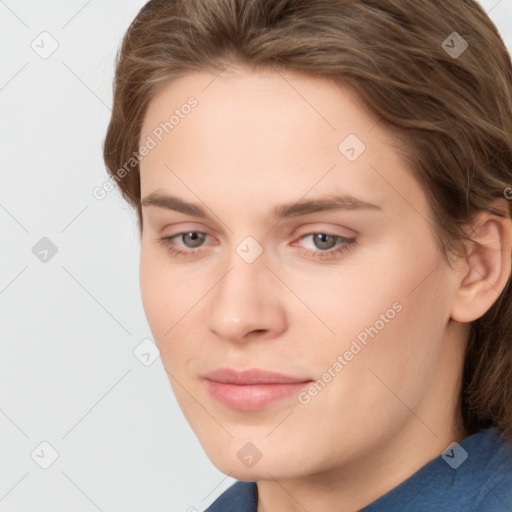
323,193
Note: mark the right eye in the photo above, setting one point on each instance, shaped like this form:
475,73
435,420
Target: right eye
189,239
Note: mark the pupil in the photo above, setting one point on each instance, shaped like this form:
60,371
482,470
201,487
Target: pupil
323,241
195,237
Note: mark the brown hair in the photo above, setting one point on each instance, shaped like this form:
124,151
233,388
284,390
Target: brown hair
450,114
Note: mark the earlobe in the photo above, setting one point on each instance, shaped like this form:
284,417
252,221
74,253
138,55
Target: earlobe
486,268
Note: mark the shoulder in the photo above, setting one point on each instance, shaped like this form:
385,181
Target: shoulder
474,475
493,474
240,497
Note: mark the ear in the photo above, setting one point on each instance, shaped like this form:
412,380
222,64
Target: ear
486,268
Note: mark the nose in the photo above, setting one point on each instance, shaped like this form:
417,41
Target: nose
246,303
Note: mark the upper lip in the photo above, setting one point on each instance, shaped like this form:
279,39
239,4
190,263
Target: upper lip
251,376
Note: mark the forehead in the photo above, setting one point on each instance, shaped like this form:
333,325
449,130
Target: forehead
268,136
249,102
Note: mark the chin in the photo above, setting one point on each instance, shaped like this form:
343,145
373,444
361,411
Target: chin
266,468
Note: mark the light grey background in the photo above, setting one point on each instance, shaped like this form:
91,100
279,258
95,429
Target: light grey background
68,373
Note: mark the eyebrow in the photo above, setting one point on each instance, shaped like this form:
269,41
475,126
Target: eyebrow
301,207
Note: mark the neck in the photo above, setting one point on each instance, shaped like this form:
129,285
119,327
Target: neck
362,481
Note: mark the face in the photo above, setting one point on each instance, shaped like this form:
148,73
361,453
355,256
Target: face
283,233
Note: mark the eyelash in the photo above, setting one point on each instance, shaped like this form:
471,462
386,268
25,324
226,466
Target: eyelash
346,245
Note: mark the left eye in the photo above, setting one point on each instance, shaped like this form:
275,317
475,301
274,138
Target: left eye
323,241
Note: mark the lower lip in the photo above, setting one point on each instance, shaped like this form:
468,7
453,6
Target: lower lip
252,397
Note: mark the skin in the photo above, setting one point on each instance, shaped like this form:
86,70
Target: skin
254,142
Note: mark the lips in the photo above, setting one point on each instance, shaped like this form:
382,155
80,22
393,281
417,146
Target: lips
252,376
252,389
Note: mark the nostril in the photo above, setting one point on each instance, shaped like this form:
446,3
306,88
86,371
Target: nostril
256,332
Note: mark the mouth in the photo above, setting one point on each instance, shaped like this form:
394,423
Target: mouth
253,389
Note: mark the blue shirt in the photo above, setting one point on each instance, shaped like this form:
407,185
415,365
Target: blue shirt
474,475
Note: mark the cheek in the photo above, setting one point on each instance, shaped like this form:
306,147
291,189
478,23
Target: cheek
395,323
163,297
368,290
390,312
154,293
172,299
